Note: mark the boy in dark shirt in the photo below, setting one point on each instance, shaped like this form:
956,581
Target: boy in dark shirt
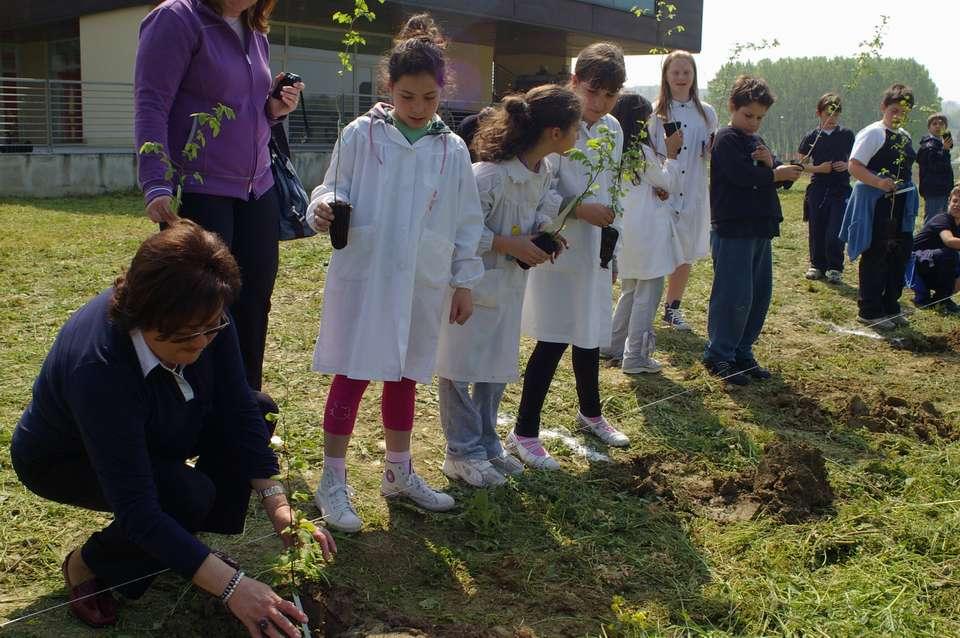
936,174
745,216
828,148
935,252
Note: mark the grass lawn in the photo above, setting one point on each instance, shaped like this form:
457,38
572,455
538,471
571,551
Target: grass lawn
661,540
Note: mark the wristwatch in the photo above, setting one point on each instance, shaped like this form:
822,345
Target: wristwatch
273,490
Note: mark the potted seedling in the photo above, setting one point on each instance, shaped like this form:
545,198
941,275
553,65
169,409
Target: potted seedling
352,40
196,142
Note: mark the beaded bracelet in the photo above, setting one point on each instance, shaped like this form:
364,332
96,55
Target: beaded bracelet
231,587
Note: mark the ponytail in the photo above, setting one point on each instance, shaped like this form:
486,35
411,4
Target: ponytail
520,120
418,48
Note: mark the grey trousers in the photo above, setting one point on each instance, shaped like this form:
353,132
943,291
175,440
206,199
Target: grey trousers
633,337
470,422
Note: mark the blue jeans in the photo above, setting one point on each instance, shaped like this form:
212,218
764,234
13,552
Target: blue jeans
742,287
934,206
470,422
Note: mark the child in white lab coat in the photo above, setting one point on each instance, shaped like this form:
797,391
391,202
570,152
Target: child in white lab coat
411,255
514,179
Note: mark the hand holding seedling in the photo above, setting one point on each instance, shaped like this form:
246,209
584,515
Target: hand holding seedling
674,142
289,98
522,248
322,216
763,154
596,214
886,184
839,167
285,525
461,307
160,210
253,602
787,173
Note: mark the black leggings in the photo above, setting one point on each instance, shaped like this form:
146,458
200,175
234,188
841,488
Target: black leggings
251,228
539,374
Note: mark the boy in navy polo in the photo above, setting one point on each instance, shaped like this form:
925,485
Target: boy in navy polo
936,174
828,148
745,215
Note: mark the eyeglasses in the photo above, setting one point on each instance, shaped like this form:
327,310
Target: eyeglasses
209,332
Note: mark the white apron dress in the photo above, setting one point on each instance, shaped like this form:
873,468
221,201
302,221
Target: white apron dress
571,301
691,201
515,201
414,231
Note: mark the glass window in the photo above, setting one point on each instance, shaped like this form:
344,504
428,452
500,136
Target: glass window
330,40
64,59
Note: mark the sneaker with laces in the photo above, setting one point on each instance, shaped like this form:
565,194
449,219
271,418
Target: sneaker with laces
400,481
644,366
673,317
727,372
833,276
601,428
475,472
532,453
880,323
507,464
814,273
333,501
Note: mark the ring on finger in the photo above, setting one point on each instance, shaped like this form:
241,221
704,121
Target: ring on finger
263,624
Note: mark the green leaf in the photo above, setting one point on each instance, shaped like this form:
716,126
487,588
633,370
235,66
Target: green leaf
198,178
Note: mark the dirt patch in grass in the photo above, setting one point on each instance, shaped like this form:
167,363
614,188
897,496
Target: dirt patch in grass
929,344
884,413
790,483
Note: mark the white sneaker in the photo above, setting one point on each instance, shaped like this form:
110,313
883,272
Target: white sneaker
475,472
644,366
834,276
673,317
814,273
602,429
333,501
507,464
400,481
532,453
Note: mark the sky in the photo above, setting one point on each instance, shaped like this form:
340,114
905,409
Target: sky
921,29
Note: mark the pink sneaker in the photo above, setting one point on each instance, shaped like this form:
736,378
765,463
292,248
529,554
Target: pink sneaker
531,452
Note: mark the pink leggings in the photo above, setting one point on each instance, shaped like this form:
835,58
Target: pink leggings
396,404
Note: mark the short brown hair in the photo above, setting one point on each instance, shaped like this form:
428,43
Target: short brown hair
179,276
937,116
256,17
831,102
898,94
748,89
601,66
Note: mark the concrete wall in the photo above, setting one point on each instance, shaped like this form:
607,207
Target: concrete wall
59,175
473,72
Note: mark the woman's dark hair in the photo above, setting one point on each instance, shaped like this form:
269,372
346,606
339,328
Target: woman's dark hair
179,277
633,111
418,48
898,94
517,124
601,66
256,17
829,102
748,89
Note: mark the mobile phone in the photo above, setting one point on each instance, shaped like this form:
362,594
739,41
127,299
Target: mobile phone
947,136
671,127
288,79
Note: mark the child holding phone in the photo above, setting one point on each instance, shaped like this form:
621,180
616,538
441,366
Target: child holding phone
936,173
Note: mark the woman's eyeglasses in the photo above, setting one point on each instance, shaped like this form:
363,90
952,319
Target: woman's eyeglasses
209,332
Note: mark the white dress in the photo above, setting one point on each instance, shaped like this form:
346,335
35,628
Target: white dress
414,231
571,301
651,245
515,201
691,201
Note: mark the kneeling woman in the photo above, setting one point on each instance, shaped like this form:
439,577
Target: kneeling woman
143,377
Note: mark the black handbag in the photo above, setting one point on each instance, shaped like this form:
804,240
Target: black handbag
290,192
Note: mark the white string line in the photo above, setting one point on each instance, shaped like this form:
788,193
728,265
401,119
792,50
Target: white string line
319,519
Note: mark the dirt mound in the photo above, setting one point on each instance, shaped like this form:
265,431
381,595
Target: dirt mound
885,413
929,344
791,480
790,483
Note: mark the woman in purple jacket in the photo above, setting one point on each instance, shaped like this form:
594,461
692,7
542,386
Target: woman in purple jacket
194,54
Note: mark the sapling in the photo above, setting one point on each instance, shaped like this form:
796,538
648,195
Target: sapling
212,121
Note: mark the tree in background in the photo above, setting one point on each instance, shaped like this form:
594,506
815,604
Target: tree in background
799,83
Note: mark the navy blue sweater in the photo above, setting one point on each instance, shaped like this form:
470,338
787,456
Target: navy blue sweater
743,195
834,147
92,400
936,173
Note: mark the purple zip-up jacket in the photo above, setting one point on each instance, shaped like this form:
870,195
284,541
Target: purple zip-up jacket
188,60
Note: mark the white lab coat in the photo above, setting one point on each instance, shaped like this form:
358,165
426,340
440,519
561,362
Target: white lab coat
414,230
571,301
691,199
650,245
515,201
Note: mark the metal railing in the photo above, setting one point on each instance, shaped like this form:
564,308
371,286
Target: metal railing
68,116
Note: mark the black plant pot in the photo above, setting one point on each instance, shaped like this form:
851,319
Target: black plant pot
546,243
608,242
340,226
